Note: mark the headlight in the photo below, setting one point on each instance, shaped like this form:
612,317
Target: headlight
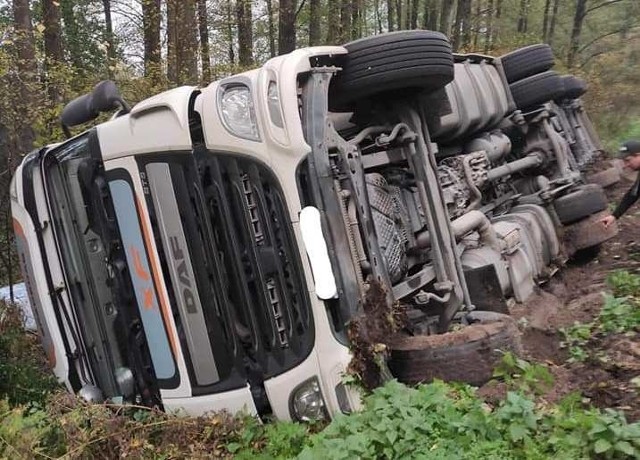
91,394
126,381
273,102
306,403
238,112
13,188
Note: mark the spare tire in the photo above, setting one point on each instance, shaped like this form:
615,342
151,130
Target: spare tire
537,89
527,61
415,59
466,355
574,87
585,201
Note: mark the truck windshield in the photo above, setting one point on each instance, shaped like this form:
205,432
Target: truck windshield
101,320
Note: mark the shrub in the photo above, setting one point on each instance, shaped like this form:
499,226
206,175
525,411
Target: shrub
24,373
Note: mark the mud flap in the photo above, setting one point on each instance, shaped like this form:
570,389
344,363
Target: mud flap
484,289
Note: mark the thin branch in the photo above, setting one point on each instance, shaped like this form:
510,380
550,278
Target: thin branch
300,8
608,34
593,8
586,61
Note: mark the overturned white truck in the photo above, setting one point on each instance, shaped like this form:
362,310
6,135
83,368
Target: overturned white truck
207,248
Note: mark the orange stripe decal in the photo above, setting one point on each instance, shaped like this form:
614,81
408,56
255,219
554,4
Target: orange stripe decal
155,271
17,229
137,264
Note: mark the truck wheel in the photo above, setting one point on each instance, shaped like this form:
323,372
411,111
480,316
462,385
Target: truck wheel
527,61
467,355
605,178
419,59
582,203
588,233
537,89
574,87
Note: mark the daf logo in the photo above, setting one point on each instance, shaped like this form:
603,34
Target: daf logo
186,283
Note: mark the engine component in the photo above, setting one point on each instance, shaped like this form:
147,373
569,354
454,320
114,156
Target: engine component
461,177
496,145
455,191
520,268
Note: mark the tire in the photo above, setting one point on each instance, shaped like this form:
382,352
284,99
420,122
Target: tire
582,203
588,233
467,355
537,89
417,59
527,61
605,178
574,87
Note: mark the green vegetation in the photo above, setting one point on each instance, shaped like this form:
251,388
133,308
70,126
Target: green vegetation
24,375
522,375
443,420
437,420
620,314
616,129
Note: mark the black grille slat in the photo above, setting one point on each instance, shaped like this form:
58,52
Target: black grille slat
260,252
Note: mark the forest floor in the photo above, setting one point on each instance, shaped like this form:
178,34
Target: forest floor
607,372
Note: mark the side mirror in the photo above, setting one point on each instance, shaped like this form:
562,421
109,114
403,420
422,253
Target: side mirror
104,97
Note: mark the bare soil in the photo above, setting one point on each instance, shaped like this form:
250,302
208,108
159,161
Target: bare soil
575,294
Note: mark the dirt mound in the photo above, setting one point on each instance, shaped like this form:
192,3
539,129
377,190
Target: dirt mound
611,376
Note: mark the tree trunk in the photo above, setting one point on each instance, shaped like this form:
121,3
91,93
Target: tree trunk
151,25
430,17
25,84
391,12
403,15
523,18
229,31
489,32
172,40
414,14
203,29
445,16
52,46
356,19
576,31
272,29
552,23
108,38
189,49
466,24
477,21
333,18
287,26
72,42
314,23
345,21
245,34
378,19
496,25
182,48
545,20
462,27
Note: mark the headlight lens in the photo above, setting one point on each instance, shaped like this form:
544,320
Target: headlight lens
238,112
91,394
306,403
126,381
273,102
13,188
